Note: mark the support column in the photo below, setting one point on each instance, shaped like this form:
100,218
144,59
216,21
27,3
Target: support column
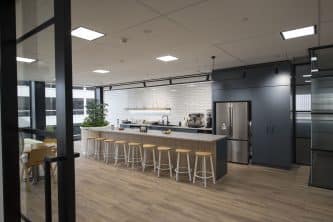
9,148
38,106
99,95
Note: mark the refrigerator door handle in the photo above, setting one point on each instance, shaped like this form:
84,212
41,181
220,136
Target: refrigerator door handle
267,129
230,120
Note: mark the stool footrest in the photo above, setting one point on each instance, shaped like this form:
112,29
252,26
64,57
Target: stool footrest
182,172
163,169
201,175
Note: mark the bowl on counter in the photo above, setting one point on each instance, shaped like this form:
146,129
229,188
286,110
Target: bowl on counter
166,131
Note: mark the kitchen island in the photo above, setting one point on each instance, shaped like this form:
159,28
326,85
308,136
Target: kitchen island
216,144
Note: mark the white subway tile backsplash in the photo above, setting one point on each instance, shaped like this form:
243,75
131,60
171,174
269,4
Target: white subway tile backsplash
182,99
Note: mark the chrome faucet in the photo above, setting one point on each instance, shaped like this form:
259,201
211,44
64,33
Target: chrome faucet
163,116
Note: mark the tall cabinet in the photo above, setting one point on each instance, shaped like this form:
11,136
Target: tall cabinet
268,88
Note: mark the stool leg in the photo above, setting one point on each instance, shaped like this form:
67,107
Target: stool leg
133,155
154,160
140,153
195,168
86,149
129,156
144,160
125,153
170,165
116,155
177,168
188,166
105,151
204,171
159,163
212,169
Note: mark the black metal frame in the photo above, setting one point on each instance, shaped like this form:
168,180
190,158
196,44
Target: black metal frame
9,136
144,85
64,104
8,103
47,185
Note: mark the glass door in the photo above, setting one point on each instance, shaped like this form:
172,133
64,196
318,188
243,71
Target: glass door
44,98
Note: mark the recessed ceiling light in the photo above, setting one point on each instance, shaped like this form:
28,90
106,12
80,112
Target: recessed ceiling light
101,71
167,58
301,32
306,76
25,60
314,58
314,70
308,81
86,34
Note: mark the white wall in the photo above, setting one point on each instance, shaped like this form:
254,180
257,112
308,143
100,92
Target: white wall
182,99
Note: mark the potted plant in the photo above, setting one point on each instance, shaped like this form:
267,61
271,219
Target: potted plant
96,115
96,118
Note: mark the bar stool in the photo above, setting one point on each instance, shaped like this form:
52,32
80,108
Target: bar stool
204,171
98,147
148,147
135,150
160,150
90,144
179,168
108,145
118,156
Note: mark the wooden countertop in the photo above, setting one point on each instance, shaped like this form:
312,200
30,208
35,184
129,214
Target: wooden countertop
201,137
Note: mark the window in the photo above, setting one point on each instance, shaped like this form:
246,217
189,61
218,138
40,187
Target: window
303,102
24,105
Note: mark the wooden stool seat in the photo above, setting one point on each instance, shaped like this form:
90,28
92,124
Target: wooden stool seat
148,146
109,140
134,144
163,148
91,138
99,139
120,142
203,153
183,150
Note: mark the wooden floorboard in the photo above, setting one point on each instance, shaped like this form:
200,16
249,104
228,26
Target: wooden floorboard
247,193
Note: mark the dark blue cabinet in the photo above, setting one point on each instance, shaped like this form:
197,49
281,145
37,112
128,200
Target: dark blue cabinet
268,89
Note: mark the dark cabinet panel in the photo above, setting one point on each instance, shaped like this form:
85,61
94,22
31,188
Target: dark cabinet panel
303,151
268,89
321,169
264,75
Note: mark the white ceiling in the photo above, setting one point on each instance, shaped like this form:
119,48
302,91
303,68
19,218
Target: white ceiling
237,32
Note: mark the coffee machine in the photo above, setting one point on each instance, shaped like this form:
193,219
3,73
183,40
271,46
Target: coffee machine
195,120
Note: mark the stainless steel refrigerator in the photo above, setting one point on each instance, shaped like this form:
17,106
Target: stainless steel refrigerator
233,119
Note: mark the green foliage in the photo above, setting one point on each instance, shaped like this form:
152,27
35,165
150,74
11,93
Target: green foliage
96,115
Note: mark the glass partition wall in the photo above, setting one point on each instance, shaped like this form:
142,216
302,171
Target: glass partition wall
322,116
44,98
